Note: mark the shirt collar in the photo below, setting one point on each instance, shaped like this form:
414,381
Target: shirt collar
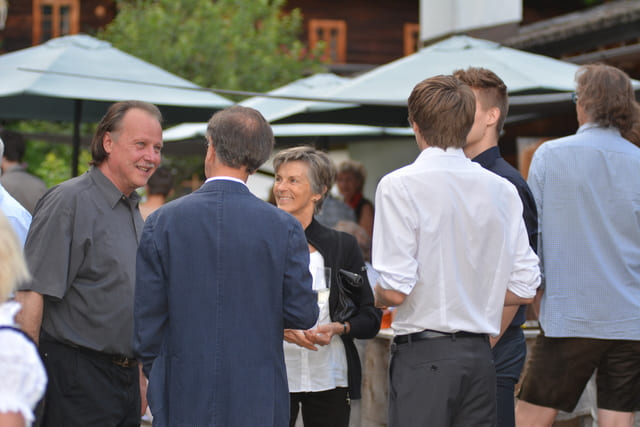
15,168
226,178
110,191
487,157
437,152
587,126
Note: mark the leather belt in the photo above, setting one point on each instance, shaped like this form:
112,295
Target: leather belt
117,359
429,334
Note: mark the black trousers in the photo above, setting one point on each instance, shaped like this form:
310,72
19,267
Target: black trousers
88,391
329,408
442,382
508,356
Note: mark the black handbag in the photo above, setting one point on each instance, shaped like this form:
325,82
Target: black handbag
348,283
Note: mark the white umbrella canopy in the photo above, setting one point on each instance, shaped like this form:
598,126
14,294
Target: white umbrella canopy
532,81
315,86
274,109
44,81
522,72
194,131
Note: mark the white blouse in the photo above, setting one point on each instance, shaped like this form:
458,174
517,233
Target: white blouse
22,377
325,369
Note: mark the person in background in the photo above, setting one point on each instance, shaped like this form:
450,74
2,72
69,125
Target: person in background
81,251
350,180
451,249
16,214
22,376
220,274
492,105
585,188
334,211
26,188
158,188
323,367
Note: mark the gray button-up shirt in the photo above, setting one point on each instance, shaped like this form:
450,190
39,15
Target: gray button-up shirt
81,250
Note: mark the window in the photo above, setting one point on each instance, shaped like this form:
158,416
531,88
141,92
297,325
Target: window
334,34
411,38
54,18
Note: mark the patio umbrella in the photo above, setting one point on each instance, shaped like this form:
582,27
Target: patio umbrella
532,80
275,109
75,78
315,86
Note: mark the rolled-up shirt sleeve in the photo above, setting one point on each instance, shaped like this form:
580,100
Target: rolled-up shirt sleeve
525,276
394,245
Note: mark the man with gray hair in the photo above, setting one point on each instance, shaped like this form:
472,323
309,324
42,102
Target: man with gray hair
220,275
586,192
18,216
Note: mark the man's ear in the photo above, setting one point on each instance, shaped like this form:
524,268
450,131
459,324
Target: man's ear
211,154
107,142
493,115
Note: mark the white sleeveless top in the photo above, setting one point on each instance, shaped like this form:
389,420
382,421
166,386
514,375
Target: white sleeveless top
22,377
325,369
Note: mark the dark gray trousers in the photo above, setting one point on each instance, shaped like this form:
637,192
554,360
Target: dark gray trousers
442,382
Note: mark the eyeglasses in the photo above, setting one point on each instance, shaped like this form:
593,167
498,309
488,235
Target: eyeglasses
574,97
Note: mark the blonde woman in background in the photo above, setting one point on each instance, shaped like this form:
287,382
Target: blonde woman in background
22,376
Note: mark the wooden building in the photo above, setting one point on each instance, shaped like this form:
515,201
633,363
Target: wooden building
31,22
359,34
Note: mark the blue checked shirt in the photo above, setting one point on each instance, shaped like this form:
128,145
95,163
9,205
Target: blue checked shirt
587,192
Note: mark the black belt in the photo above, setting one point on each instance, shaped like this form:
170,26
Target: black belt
117,359
428,334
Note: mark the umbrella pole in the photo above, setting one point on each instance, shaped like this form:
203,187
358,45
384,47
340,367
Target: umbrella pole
77,118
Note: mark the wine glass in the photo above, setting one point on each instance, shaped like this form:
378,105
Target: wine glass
322,284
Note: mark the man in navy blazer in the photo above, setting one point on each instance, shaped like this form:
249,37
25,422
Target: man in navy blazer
220,275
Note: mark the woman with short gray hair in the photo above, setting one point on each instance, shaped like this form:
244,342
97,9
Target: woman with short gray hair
323,368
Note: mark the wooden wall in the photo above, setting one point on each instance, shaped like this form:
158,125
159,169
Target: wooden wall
374,27
94,14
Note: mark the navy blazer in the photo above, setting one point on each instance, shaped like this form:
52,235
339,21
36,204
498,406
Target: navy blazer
220,275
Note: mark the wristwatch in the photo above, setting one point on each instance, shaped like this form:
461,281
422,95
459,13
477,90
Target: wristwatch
344,325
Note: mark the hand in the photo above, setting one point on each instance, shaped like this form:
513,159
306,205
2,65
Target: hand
537,300
143,391
323,333
298,337
378,294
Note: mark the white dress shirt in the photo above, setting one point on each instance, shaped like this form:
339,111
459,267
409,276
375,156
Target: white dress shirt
450,235
325,369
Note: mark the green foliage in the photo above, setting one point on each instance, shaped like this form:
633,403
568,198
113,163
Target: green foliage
51,161
249,45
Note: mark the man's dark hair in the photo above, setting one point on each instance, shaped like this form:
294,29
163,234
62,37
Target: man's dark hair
443,108
241,137
111,123
161,182
13,145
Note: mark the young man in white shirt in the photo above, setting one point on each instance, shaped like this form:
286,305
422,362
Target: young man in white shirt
451,249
